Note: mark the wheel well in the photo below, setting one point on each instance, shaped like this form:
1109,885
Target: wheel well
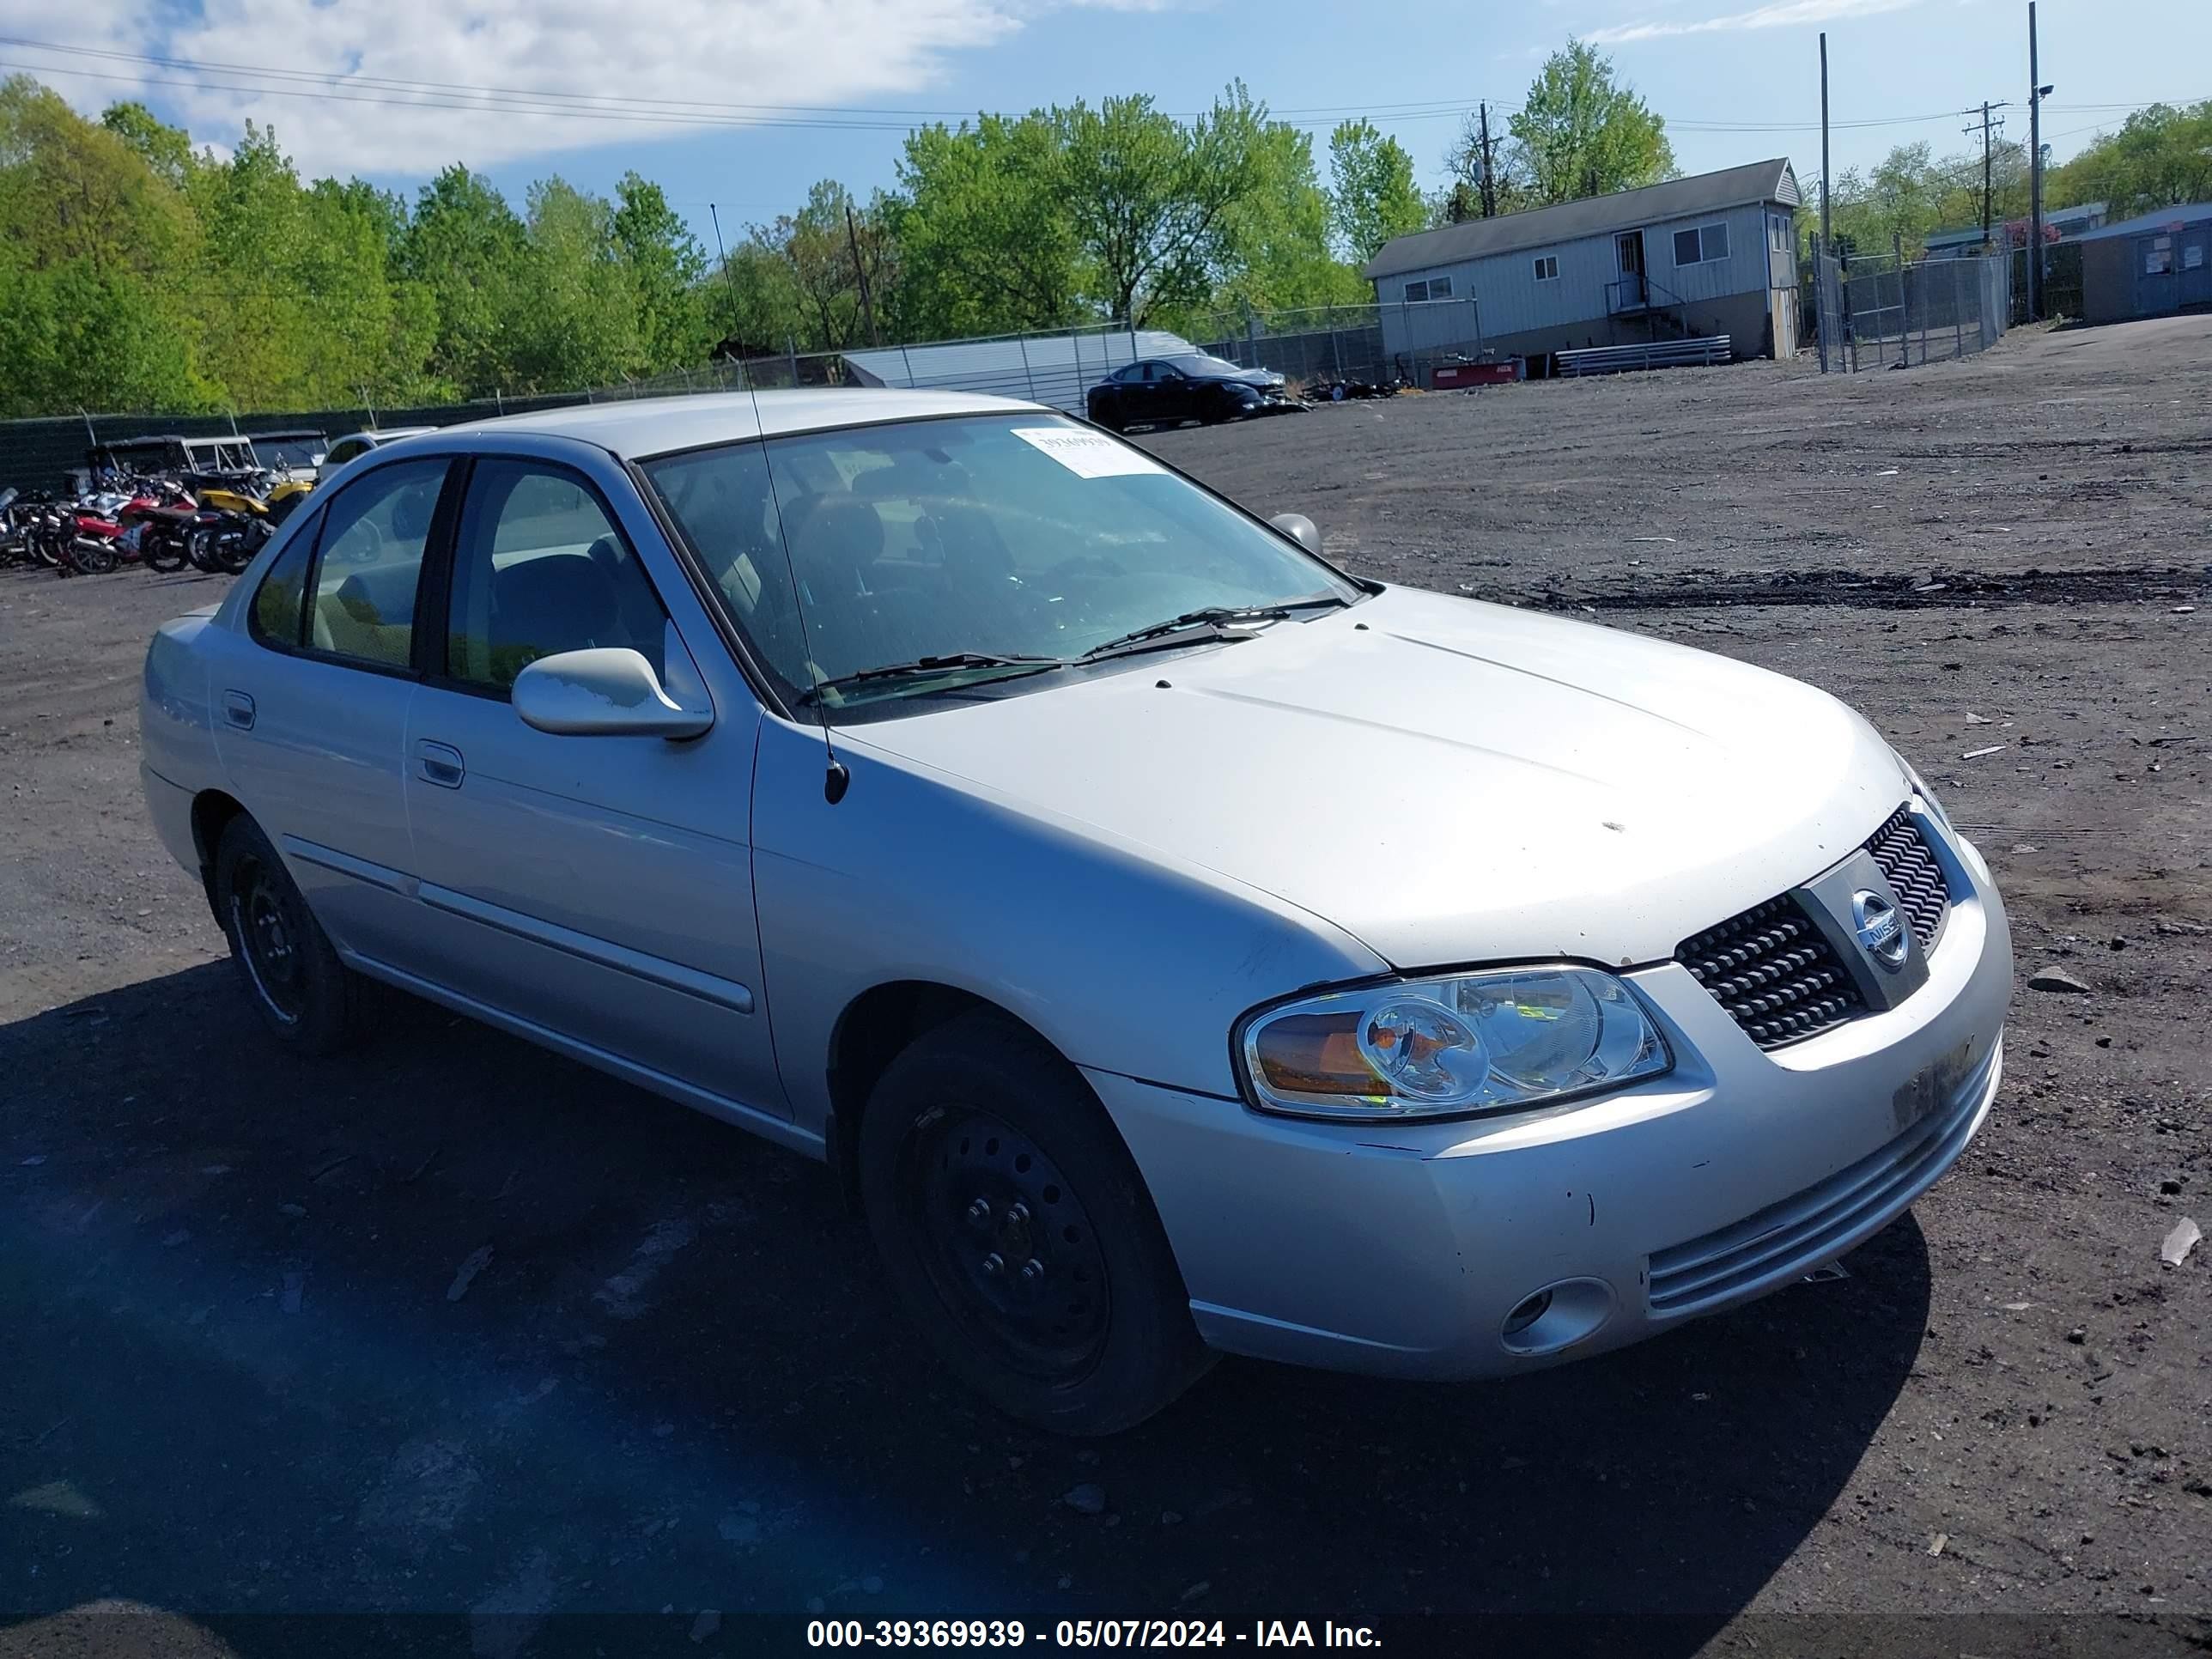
212,812
876,1027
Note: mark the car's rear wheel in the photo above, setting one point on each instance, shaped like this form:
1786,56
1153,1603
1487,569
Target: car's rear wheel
307,998
1018,1234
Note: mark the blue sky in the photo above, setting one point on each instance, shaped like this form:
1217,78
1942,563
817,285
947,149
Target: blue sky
1720,70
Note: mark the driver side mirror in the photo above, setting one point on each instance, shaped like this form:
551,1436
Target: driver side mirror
1300,529
607,691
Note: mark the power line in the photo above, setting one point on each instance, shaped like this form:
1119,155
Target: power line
467,97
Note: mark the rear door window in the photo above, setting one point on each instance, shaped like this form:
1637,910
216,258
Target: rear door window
370,564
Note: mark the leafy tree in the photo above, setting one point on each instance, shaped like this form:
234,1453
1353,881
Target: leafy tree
2161,157
73,338
666,266
1580,133
167,150
832,290
579,328
752,303
1275,250
986,242
1455,204
1148,196
1372,195
466,245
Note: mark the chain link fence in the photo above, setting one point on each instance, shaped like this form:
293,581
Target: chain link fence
1893,312
1325,346
1315,350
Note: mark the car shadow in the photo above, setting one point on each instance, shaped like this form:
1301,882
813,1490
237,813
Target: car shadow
449,1323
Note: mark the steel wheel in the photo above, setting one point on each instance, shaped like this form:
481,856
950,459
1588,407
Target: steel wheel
1008,1245
267,923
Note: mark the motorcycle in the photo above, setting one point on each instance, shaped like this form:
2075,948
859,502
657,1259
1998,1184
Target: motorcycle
97,540
249,520
165,516
37,530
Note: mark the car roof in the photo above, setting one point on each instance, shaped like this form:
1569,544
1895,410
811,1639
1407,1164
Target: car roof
653,426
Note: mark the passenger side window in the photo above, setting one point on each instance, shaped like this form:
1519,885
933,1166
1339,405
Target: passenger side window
371,562
278,603
538,569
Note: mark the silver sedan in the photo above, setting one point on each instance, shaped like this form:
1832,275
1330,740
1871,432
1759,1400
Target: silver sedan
1176,944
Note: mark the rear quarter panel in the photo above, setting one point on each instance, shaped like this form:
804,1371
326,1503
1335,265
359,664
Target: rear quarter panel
176,740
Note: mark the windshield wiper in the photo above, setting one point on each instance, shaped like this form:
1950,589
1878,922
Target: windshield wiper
922,667
1212,620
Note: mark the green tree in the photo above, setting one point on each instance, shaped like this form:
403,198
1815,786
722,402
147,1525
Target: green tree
167,150
1275,242
839,265
470,250
666,266
580,326
986,243
1372,197
1148,197
2161,157
752,303
1580,133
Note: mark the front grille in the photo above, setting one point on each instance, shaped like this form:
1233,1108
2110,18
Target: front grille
1787,1238
1914,876
1774,972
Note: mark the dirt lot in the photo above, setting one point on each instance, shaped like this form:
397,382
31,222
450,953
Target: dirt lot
245,1380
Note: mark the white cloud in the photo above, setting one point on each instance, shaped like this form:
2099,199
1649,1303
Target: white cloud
1782,13
573,73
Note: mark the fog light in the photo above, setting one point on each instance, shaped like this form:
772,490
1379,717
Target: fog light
1555,1318
1528,1313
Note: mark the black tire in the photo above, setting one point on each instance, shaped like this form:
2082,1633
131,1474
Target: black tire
981,1144
91,556
310,1001
164,553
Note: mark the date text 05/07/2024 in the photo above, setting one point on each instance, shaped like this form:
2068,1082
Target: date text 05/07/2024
1085,1634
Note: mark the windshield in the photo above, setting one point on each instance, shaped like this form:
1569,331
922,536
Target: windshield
1202,364
1005,537
290,452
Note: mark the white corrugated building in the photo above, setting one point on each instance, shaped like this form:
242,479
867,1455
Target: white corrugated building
1044,368
1709,255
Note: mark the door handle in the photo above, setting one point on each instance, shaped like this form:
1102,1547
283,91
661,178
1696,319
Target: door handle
440,764
238,709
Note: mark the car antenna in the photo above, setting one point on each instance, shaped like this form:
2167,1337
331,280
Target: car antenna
836,779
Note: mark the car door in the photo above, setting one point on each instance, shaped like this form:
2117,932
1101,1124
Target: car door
312,695
1139,391
1172,394
596,890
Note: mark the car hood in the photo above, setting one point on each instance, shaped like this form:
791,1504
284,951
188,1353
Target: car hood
1447,780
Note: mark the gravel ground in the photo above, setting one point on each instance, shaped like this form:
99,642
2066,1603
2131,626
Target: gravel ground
253,1373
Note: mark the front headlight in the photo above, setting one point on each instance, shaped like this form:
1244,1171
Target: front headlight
1927,797
1500,1040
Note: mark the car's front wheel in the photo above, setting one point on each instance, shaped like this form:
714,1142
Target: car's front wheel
307,998
1018,1234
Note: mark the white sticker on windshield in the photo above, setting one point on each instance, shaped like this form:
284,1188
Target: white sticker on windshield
1087,454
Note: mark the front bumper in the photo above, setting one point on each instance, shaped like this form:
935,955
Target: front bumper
1403,1248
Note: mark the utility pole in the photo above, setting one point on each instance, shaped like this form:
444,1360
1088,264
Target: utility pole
1827,230
2037,93
1987,129
859,270
1489,185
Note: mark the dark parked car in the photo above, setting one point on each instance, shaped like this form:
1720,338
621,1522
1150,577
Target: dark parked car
1168,391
